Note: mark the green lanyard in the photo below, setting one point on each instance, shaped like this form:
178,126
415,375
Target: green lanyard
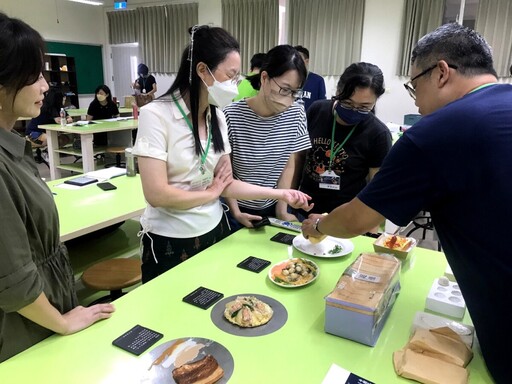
209,132
335,152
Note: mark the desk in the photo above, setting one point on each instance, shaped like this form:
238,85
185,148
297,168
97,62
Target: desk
300,352
79,112
86,136
89,208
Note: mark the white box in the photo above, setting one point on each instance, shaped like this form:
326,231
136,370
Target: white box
446,298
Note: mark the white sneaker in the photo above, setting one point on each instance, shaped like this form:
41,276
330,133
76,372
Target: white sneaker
44,155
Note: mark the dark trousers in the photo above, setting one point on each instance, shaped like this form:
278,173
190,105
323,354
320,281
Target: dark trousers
170,251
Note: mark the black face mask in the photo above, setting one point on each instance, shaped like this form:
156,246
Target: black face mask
350,116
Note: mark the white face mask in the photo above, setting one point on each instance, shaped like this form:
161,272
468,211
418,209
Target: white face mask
221,94
101,97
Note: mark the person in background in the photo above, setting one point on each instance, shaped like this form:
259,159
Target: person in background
145,83
53,101
268,135
455,162
245,89
37,291
349,143
183,154
102,107
314,88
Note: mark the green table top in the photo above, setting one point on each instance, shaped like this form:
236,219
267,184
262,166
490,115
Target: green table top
299,352
89,208
100,126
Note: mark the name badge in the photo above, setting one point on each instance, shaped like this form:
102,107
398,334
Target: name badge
329,180
201,182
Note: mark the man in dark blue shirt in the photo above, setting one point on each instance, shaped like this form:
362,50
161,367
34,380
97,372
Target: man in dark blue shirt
314,88
455,162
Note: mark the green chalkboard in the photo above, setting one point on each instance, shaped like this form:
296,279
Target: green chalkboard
88,62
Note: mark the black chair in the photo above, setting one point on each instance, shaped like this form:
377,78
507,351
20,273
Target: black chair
423,221
38,151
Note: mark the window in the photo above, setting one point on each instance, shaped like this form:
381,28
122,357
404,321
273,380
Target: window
461,10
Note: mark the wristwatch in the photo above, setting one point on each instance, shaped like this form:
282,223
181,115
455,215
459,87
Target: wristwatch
315,226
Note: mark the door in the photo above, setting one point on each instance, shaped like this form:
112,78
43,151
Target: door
125,59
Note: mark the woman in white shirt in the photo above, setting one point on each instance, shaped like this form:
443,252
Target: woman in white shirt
183,152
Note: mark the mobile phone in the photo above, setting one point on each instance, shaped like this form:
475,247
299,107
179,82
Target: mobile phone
81,181
106,186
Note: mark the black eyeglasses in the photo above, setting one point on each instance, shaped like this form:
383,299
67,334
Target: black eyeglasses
347,104
409,87
295,93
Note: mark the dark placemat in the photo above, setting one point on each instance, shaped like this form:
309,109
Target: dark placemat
278,319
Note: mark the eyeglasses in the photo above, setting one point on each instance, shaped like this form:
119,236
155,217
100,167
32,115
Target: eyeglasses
294,93
347,104
235,79
411,89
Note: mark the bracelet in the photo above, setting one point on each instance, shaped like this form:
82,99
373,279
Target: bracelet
315,226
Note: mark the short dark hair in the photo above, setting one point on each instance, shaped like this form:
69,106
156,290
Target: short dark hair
21,54
279,60
142,69
209,45
302,50
257,60
362,75
105,89
459,46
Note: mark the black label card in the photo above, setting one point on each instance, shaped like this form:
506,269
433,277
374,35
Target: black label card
203,297
354,379
137,340
284,238
254,264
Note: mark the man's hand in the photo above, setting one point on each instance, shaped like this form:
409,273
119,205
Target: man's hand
308,226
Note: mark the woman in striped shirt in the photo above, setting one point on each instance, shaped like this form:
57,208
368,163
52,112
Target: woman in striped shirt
268,135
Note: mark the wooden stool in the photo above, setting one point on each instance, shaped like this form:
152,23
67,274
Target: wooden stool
118,151
112,275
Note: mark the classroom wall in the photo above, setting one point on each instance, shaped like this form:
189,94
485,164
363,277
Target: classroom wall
381,46
61,20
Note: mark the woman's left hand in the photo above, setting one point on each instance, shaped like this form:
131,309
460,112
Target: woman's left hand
297,199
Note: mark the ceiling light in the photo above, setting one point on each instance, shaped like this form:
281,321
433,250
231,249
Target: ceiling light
88,2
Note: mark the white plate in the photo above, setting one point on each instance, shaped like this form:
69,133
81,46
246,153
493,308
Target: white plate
277,281
324,248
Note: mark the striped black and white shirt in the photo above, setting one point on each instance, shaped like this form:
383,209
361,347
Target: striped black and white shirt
261,146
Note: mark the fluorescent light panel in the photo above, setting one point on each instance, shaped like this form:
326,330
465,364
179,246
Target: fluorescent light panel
88,2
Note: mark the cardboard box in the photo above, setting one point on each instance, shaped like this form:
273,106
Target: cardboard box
129,101
359,305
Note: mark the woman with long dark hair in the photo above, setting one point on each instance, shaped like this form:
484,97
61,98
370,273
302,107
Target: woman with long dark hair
183,152
53,102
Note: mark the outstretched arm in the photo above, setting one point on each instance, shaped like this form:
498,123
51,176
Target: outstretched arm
348,220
